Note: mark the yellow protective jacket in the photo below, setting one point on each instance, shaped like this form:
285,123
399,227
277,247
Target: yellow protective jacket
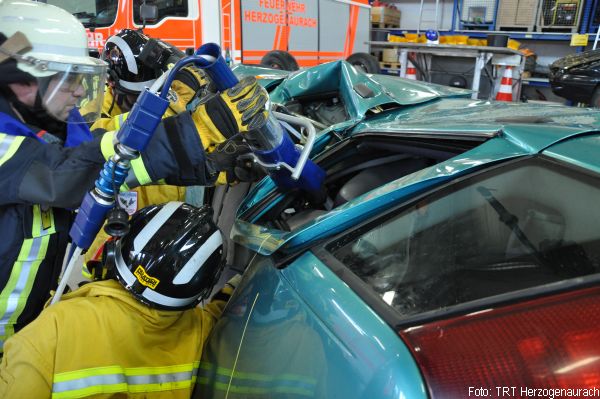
101,342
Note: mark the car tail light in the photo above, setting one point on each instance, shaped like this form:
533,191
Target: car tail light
514,351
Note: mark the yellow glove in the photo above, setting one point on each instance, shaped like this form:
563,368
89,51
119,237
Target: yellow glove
226,114
188,85
248,98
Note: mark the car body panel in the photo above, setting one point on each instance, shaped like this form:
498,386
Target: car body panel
309,318
582,151
267,77
327,332
464,118
477,117
574,86
459,118
342,77
311,315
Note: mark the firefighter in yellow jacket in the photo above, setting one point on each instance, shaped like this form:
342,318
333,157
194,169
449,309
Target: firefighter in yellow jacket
140,335
135,61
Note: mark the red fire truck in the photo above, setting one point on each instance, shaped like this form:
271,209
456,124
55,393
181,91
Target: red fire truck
279,33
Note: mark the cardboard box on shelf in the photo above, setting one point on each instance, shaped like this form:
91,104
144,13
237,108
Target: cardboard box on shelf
385,15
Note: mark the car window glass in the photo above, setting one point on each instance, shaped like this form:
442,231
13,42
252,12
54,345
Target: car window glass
96,13
526,225
166,8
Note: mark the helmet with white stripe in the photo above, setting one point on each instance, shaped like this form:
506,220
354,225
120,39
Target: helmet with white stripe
131,69
171,257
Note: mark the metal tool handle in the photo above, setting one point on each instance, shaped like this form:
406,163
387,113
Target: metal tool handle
310,140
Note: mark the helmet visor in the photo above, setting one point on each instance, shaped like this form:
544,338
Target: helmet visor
69,86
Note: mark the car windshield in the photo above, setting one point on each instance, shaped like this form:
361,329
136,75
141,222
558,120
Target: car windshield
91,13
521,225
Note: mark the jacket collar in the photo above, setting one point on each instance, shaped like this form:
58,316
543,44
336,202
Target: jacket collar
115,291
10,122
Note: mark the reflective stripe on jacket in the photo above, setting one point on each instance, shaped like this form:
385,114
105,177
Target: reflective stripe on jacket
100,341
8,146
22,275
34,236
115,379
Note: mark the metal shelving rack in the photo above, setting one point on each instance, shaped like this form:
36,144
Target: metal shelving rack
477,14
589,23
483,34
559,15
586,26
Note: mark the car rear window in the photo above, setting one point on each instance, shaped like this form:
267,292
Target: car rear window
522,225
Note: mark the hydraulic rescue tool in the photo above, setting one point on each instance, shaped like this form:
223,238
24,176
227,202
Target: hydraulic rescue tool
270,144
272,147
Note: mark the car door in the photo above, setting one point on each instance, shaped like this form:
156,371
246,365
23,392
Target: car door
301,333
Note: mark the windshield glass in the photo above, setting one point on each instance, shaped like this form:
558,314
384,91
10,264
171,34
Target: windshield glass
519,226
91,13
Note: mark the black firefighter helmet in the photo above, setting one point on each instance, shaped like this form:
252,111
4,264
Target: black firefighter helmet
135,61
171,257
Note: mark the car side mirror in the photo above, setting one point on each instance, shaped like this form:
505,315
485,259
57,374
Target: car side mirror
148,12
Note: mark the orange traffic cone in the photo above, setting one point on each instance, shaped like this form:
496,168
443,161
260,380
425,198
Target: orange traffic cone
411,71
505,92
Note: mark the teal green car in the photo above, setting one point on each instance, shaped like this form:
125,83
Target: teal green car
453,253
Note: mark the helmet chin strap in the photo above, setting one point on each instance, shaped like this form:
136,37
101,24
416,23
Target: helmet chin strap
112,104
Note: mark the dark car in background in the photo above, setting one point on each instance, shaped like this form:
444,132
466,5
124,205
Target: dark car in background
576,77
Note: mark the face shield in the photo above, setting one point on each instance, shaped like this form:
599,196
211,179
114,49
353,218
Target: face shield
64,88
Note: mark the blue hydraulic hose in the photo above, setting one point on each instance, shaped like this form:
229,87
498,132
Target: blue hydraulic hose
209,58
270,143
178,65
132,138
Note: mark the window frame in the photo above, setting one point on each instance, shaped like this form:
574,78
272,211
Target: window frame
89,25
160,19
